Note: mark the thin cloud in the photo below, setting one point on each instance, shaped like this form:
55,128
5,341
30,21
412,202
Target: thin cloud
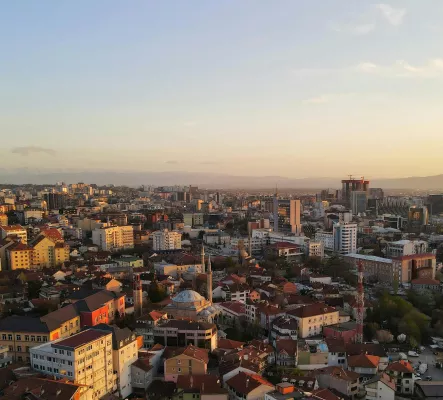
403,69
354,29
393,15
171,162
189,124
209,162
27,150
318,100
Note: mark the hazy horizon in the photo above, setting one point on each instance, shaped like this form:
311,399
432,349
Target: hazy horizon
252,88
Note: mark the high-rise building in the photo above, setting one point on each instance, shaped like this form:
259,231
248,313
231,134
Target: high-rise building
287,214
55,201
166,240
345,237
417,217
434,203
352,185
359,201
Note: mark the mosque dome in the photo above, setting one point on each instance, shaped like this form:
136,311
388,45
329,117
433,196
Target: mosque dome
188,296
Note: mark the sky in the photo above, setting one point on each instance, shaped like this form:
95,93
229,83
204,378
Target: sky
297,88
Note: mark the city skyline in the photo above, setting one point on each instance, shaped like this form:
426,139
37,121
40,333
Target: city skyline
223,87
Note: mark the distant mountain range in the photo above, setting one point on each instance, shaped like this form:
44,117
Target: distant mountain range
209,180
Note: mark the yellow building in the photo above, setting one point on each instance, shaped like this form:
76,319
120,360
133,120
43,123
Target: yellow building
3,219
14,230
114,238
22,333
18,256
48,254
190,360
313,317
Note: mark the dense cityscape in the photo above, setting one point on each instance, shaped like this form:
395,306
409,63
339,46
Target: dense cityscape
178,292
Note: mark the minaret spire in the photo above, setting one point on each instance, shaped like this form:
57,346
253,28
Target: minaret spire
209,280
203,259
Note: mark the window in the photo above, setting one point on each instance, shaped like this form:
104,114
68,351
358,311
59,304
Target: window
39,338
19,348
18,337
32,338
3,337
68,353
9,337
27,338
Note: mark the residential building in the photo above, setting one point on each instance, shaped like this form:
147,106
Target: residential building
286,352
359,201
3,219
85,358
166,240
418,217
428,390
316,249
284,391
402,374
203,387
124,354
232,312
345,237
180,333
284,328
189,360
114,238
426,284
235,292
129,261
283,249
287,214
142,373
14,230
375,268
168,269
48,254
313,317
245,386
347,383
402,248
29,215
415,266
327,238
380,387
55,201
17,256
364,364
312,354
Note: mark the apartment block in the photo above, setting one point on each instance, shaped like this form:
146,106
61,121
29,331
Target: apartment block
166,240
114,238
14,230
85,358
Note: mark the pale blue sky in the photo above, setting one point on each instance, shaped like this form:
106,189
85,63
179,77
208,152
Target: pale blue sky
297,88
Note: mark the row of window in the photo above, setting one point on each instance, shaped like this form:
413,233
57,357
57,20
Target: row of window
27,338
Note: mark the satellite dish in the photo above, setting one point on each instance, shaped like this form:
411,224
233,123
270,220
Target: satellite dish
401,338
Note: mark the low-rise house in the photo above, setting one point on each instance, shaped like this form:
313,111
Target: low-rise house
232,312
284,328
235,292
337,353
184,361
372,349
364,364
312,354
402,374
380,387
347,383
286,352
426,284
229,345
244,386
428,390
203,387
141,374
284,391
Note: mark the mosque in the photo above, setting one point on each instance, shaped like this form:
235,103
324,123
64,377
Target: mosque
189,304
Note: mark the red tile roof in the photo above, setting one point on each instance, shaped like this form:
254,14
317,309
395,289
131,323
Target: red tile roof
81,338
312,310
323,394
235,306
363,361
400,366
244,383
229,344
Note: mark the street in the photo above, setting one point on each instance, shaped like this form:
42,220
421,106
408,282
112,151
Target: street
429,358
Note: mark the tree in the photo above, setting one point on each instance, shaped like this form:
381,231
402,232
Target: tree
201,234
156,292
34,289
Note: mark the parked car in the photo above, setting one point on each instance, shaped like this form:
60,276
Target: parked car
428,378
422,348
413,354
417,378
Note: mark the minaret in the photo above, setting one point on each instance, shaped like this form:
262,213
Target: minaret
275,211
209,280
138,295
203,260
